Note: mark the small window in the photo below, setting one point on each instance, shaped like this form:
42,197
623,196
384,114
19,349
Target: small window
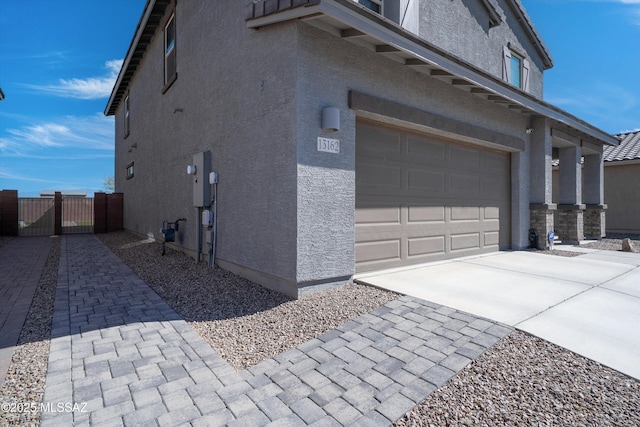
515,69
127,113
130,170
170,51
375,5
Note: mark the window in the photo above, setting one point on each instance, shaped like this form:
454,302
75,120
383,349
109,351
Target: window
170,51
515,69
127,113
130,170
375,5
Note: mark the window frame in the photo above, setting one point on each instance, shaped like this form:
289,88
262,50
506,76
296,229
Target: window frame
523,70
130,170
368,3
516,59
127,116
169,47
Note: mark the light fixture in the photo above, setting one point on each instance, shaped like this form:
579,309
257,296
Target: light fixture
529,131
191,169
330,119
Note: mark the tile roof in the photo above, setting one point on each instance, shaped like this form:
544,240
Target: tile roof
629,148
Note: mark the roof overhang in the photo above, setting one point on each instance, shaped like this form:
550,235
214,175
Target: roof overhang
352,22
153,12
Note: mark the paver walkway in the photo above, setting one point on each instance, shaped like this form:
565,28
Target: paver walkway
121,356
21,263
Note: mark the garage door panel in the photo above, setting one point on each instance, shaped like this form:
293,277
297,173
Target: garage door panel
427,151
380,177
492,162
465,213
465,241
426,246
378,215
417,214
491,213
466,158
423,180
383,250
446,199
462,183
491,238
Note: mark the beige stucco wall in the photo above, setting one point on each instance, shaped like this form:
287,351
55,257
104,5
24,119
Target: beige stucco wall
622,196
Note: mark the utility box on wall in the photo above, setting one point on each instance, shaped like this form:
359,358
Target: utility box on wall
201,187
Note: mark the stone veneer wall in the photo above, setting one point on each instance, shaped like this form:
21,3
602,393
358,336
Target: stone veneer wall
541,218
570,226
594,221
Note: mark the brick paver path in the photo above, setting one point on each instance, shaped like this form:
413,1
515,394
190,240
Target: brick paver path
21,263
122,356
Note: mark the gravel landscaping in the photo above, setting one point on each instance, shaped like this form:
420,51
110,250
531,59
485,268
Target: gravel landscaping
522,380
244,322
613,242
25,380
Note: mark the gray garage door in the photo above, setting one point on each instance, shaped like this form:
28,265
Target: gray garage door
420,198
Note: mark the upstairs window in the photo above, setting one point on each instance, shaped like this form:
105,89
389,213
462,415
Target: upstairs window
375,5
127,113
515,69
170,51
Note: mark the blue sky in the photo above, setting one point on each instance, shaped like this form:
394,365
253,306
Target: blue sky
58,61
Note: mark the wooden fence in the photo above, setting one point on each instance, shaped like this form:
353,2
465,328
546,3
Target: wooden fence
59,215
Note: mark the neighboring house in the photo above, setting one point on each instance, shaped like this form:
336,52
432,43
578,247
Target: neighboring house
348,137
622,184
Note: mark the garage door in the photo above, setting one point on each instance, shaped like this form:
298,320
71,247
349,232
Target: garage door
420,198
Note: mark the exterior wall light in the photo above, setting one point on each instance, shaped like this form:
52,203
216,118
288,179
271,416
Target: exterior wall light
330,119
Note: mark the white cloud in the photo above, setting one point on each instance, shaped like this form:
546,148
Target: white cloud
89,88
604,104
86,132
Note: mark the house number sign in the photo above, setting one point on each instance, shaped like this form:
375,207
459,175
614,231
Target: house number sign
328,145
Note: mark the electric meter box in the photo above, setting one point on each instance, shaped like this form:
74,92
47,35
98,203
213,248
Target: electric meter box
201,186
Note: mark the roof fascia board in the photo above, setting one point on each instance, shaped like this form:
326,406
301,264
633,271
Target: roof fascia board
295,13
148,9
494,16
389,32
532,33
626,162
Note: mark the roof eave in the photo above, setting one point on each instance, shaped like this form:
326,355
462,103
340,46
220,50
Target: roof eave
360,22
151,15
532,33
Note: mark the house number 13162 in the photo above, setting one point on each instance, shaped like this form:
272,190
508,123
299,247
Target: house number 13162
328,145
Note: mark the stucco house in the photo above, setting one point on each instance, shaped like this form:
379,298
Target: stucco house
622,184
348,136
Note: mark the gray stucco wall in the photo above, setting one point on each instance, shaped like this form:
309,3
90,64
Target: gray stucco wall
236,98
462,28
285,210
328,68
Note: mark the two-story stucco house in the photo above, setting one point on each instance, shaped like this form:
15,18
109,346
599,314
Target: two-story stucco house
349,136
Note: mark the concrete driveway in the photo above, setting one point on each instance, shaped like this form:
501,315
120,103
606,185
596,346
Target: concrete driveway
589,304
